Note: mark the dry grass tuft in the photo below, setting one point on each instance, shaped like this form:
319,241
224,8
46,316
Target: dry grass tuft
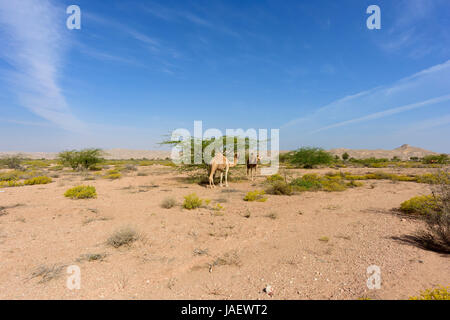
47,273
124,236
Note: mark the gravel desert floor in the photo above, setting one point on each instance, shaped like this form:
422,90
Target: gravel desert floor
310,245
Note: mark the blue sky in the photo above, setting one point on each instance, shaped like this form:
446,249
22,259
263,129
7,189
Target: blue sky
139,69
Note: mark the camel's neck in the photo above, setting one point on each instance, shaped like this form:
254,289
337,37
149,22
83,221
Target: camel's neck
234,163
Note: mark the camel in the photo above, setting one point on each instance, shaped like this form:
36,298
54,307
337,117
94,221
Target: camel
252,164
222,164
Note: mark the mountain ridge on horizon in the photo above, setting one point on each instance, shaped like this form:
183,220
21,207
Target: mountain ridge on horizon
403,152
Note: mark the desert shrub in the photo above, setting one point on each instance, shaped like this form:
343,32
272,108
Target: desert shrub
439,159
10,176
113,176
310,157
10,183
12,162
345,156
81,192
56,168
257,195
168,203
192,201
81,159
275,177
309,182
441,177
122,236
420,205
354,184
130,167
440,293
280,188
38,180
333,185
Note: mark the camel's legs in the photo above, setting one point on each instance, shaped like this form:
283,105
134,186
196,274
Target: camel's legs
221,176
226,177
211,180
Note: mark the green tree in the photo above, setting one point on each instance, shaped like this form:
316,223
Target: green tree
81,159
309,157
345,156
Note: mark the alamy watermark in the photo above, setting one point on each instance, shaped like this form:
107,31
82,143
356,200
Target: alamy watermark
189,147
74,20
374,20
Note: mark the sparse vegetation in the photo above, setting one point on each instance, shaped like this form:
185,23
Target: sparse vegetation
420,205
11,162
192,201
228,259
92,257
257,195
272,215
168,203
439,293
123,236
439,159
81,192
47,273
435,209
38,180
113,176
280,188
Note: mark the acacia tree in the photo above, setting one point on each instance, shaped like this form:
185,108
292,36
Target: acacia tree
84,159
308,157
229,145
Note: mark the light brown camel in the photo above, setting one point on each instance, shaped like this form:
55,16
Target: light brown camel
252,164
222,164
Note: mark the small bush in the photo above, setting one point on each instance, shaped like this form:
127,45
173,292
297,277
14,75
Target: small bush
332,186
441,177
10,176
38,180
257,195
192,201
113,176
123,236
81,192
280,188
421,205
11,183
169,203
274,178
354,184
440,293
309,182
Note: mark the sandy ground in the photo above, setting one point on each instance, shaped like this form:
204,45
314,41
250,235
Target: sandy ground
178,246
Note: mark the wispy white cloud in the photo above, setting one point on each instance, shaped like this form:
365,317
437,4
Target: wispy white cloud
174,15
425,88
33,44
385,113
410,32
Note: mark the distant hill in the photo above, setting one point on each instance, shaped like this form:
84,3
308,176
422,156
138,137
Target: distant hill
404,152
117,154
